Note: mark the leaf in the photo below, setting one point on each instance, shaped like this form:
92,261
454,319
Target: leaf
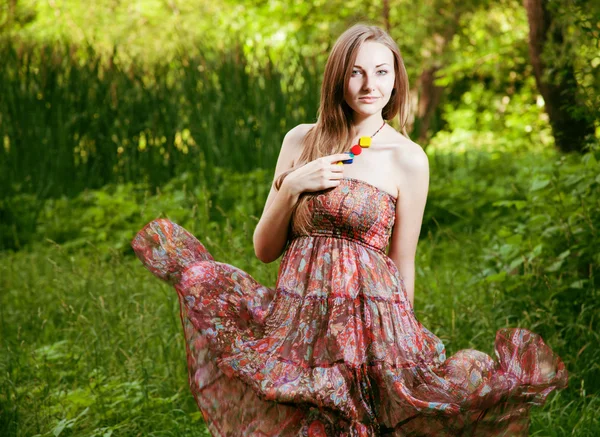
515,239
573,179
518,204
58,429
555,266
536,251
589,160
516,262
538,220
498,277
538,184
565,254
578,284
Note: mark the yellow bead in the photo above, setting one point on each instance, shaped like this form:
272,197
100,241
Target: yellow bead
364,141
339,163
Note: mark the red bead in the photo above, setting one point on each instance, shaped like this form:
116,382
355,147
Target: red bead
356,149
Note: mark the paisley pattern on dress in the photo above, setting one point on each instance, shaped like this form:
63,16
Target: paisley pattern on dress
335,348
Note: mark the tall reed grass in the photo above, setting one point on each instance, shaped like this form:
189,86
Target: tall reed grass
70,122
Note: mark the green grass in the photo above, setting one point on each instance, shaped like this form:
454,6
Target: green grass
91,343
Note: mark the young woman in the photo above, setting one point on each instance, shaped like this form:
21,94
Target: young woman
335,349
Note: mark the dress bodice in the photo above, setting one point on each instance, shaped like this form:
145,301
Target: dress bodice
354,210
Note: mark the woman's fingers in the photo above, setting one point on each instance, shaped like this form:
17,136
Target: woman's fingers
338,164
337,157
337,172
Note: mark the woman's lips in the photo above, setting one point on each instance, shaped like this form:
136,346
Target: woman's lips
367,99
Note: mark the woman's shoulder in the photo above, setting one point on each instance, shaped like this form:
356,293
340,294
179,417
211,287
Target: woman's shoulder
291,148
292,142
408,155
299,131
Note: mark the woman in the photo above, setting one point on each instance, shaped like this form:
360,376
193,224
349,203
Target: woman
335,349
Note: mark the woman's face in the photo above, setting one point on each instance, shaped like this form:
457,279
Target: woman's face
372,81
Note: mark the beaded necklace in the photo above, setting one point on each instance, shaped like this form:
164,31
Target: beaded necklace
355,150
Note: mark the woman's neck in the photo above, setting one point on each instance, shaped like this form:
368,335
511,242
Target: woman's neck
366,125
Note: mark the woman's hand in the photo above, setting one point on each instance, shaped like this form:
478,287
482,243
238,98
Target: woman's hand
320,174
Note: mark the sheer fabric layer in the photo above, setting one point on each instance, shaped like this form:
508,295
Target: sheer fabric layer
334,349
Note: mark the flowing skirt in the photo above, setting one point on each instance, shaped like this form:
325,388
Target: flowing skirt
279,362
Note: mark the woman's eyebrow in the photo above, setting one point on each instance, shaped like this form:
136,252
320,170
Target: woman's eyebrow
377,66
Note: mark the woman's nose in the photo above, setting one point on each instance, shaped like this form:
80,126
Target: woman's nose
369,83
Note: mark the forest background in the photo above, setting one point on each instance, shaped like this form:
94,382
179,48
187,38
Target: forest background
113,113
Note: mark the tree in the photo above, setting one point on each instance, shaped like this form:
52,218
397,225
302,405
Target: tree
14,15
557,85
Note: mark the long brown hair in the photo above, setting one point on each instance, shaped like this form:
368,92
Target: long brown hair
333,131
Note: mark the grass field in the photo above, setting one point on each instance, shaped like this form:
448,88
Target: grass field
91,343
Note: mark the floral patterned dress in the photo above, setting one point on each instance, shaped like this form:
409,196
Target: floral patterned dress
335,348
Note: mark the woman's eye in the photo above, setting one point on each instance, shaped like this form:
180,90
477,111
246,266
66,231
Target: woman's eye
355,72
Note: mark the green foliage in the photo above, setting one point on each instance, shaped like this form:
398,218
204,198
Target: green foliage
464,186
544,261
105,125
18,219
579,47
88,353
102,357
508,240
491,96
84,111
105,218
68,126
521,252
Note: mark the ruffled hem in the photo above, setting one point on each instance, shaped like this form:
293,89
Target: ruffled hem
278,362
469,380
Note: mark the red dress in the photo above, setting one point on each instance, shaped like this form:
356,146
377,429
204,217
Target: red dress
335,348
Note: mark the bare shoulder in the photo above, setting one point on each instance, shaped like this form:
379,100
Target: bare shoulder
409,157
297,133
292,143
291,148
410,164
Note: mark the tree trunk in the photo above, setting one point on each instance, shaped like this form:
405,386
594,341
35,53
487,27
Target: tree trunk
430,94
429,99
386,15
10,17
560,98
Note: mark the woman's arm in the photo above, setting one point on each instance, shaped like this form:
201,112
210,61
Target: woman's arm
410,207
271,231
